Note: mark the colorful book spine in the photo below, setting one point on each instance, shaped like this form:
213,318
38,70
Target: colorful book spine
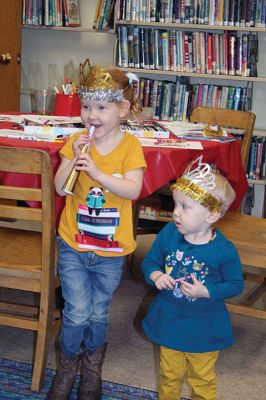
136,47
130,44
231,54
165,48
124,46
226,12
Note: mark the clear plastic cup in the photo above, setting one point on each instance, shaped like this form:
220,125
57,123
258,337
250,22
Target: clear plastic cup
42,101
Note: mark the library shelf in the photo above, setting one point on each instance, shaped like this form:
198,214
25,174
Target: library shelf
205,27
68,28
143,71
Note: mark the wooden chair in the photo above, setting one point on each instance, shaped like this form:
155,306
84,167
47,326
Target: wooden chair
248,233
244,120
27,258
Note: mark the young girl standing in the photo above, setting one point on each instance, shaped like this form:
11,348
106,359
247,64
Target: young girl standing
95,231
195,268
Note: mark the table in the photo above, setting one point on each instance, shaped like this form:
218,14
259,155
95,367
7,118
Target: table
163,165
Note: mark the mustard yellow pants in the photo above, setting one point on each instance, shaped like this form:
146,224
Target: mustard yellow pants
199,369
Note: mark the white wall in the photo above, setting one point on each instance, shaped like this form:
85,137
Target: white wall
60,47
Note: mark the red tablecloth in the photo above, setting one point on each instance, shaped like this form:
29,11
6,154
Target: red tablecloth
163,165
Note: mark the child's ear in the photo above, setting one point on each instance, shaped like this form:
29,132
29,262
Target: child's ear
213,217
125,107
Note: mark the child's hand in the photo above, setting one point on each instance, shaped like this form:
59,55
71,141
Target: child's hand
164,281
79,143
194,290
85,163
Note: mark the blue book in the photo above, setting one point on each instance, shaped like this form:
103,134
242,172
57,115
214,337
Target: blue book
236,99
159,102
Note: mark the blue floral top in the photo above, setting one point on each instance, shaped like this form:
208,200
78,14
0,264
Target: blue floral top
182,323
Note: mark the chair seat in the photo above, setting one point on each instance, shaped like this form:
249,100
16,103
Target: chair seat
22,249
248,233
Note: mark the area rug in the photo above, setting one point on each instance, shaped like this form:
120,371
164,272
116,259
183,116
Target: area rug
15,379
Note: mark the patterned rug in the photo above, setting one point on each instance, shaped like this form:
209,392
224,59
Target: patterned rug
15,379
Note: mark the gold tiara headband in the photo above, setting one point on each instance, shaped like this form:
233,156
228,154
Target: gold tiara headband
196,181
97,84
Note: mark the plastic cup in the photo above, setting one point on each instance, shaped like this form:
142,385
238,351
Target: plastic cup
67,105
42,101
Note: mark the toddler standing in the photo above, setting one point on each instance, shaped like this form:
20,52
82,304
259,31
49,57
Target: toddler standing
195,269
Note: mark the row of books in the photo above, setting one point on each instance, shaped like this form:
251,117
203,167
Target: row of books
51,12
104,15
210,12
257,159
174,101
194,52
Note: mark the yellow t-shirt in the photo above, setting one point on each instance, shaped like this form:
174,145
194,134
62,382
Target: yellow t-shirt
94,219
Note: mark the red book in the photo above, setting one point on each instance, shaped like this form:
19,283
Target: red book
186,53
146,97
209,56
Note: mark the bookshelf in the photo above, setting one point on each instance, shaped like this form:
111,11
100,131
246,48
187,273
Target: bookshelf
124,27
164,32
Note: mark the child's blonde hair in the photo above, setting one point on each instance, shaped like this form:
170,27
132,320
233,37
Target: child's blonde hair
223,192
122,82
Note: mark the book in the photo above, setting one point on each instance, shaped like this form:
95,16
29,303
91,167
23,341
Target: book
188,130
73,13
86,242
148,129
199,136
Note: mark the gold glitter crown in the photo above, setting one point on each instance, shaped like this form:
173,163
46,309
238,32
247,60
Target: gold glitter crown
196,182
97,84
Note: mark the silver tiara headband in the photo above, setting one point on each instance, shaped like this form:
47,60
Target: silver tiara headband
101,94
98,84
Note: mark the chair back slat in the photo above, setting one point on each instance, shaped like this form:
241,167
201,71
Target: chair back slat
25,161
231,119
9,192
23,213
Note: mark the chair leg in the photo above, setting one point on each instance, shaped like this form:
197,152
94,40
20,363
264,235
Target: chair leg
43,339
40,360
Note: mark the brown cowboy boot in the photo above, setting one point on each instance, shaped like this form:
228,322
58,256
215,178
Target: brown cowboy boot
64,378
91,374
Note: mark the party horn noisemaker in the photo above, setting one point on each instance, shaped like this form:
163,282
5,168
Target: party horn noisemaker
73,176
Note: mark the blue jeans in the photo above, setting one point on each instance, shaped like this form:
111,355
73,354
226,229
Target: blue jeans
88,282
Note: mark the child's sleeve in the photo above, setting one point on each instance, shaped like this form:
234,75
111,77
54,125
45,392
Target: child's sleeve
232,282
67,149
135,156
155,259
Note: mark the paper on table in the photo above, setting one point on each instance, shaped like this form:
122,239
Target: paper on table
11,118
19,134
179,128
193,145
51,119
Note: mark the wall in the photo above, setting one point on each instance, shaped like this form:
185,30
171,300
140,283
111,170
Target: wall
60,47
